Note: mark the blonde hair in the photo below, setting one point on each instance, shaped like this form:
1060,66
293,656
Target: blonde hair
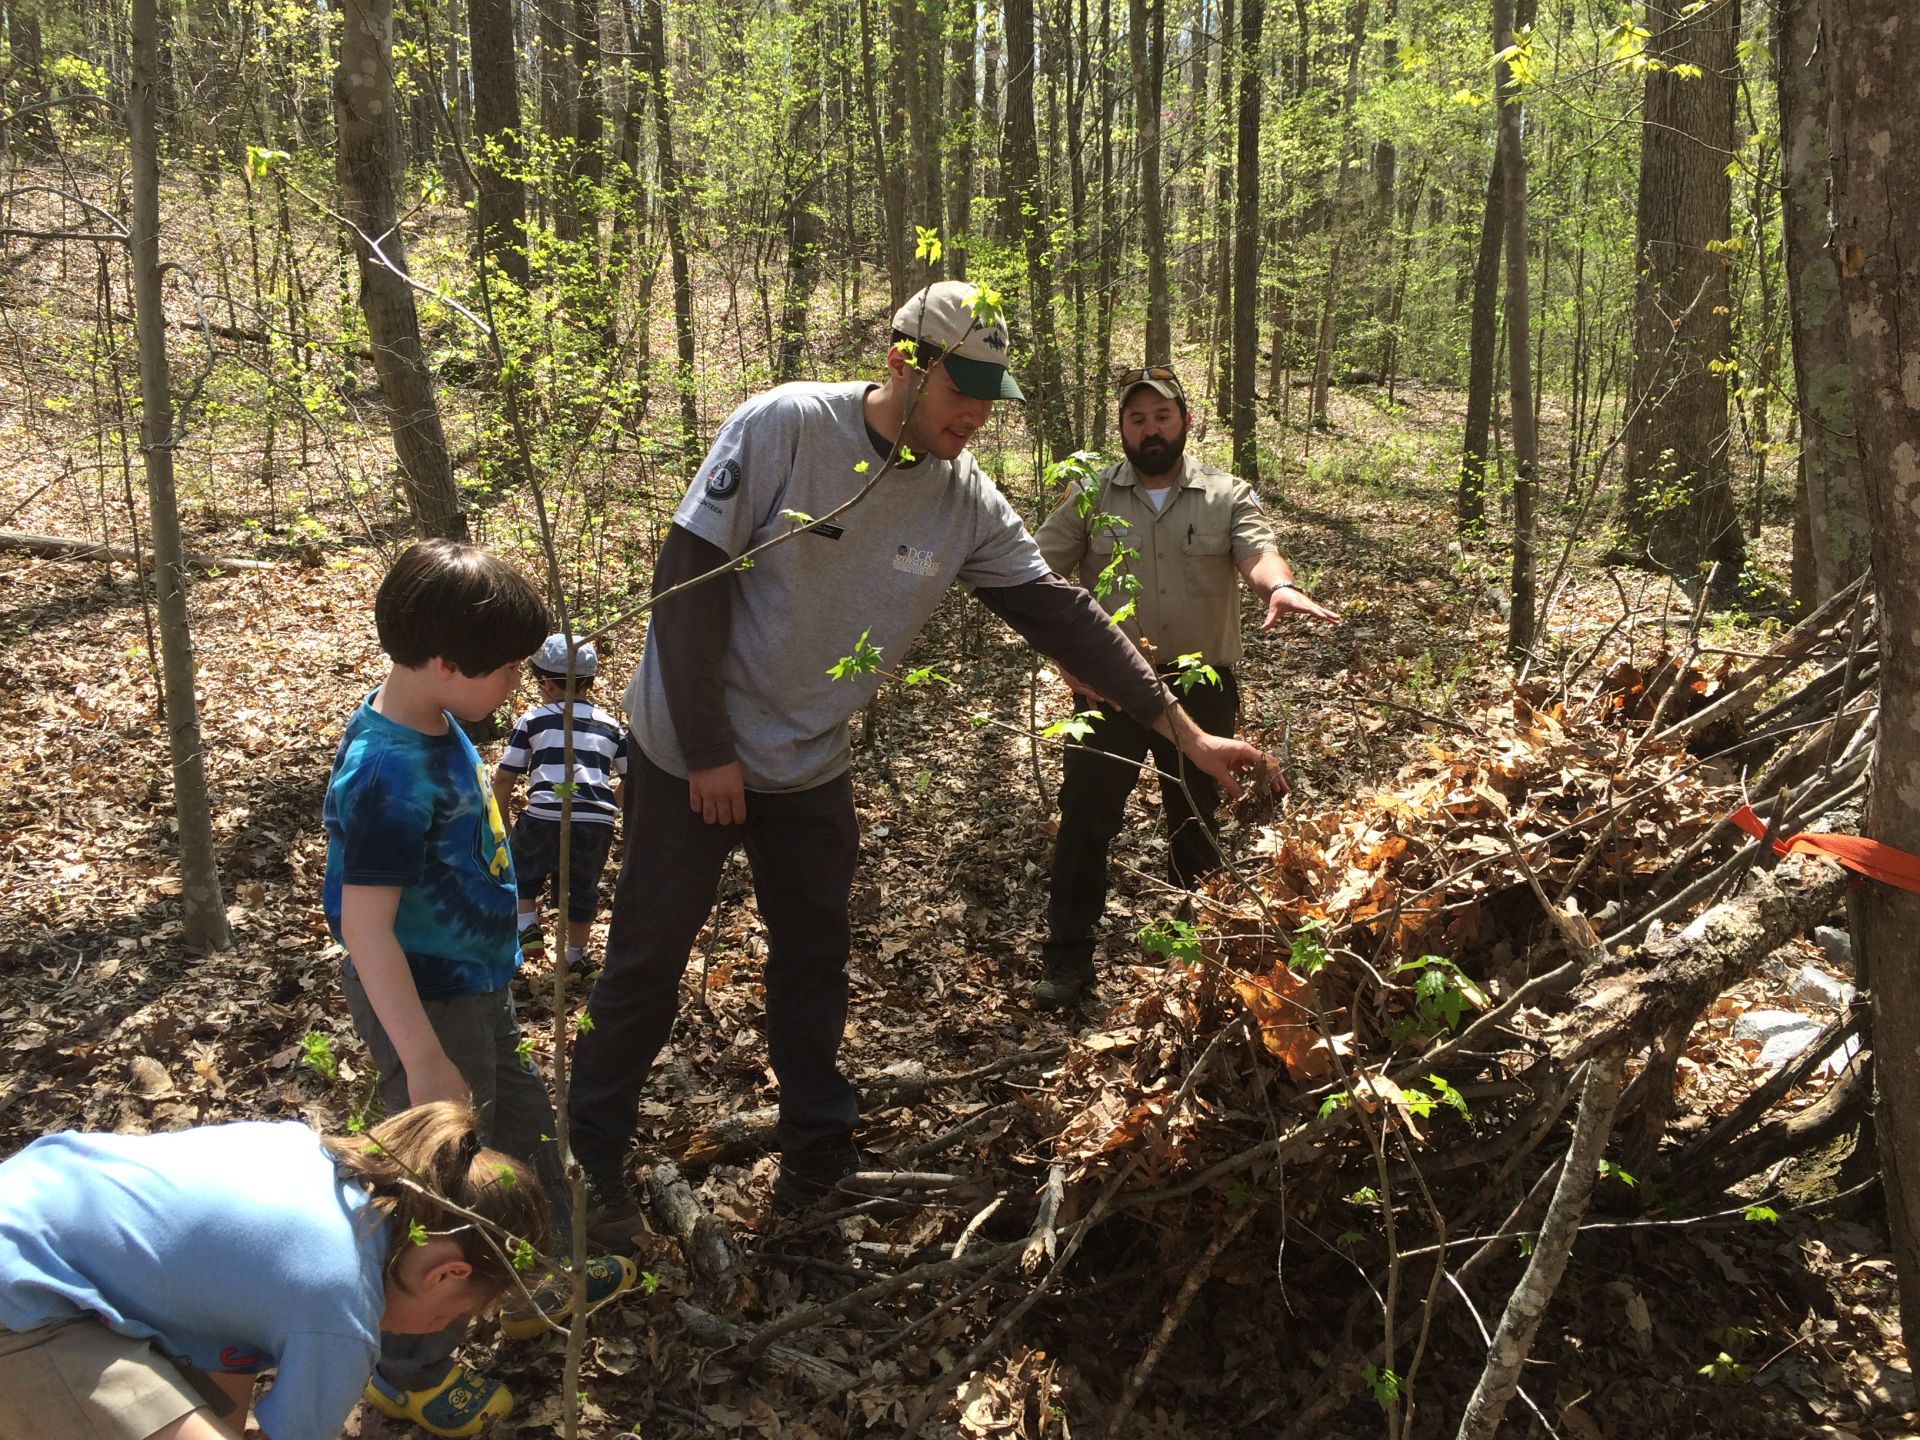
417,1166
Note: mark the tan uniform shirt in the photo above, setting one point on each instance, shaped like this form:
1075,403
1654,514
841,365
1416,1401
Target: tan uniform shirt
1188,554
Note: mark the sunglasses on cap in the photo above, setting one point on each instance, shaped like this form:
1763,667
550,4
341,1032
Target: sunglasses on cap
1155,375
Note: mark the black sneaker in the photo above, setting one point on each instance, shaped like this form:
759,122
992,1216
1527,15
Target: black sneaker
1065,984
813,1172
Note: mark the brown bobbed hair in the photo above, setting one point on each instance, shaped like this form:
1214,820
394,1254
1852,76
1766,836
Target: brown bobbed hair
443,600
414,1162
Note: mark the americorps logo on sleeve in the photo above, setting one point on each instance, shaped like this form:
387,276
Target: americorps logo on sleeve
723,479
915,562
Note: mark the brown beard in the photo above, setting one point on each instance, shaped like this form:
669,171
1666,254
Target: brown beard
1162,459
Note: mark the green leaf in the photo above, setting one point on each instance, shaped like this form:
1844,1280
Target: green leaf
416,1234
924,675
1761,1214
1306,955
1175,939
1384,1384
800,517
1076,726
1193,670
1609,1170
865,660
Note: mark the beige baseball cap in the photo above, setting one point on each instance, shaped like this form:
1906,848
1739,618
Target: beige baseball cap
941,315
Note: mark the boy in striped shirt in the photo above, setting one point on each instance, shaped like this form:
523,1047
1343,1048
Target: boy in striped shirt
537,750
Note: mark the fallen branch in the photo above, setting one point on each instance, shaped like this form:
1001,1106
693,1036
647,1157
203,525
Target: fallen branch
1176,1312
751,1132
701,1236
1634,997
710,1329
1513,1338
56,547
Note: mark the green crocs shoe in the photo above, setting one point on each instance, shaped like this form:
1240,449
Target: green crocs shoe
607,1276
533,946
463,1403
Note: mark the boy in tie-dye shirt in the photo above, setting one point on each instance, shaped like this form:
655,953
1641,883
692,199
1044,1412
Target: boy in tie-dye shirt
420,891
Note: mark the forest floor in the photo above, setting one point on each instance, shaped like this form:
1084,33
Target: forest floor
1680,1316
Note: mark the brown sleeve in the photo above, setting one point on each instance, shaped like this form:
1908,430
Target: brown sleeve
691,631
1065,623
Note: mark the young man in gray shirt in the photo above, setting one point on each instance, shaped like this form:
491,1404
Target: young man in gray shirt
742,735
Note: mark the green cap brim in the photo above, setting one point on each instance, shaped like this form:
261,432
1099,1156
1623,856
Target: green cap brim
982,379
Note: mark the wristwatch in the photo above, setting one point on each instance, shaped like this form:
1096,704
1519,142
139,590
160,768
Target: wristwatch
1285,585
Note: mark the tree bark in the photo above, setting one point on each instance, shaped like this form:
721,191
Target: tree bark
1246,245
1146,53
1679,506
1876,222
961,105
1829,467
203,906
1027,218
674,202
1470,503
365,122
501,209
806,228
1526,440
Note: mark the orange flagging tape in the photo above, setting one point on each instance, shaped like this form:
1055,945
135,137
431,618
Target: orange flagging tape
1868,857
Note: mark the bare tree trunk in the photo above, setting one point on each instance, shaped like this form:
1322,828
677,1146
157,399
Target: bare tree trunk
805,226
1027,217
1223,178
365,123
1679,496
961,108
1876,217
559,81
501,211
1246,246
1146,52
1526,440
674,200
892,202
1836,507
1470,504
589,120
203,907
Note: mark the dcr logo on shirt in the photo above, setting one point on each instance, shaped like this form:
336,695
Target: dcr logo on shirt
915,562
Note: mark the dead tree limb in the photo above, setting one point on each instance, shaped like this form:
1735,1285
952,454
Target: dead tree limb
1176,1312
1631,998
751,1132
1747,688
57,547
701,1236
1513,1338
710,1329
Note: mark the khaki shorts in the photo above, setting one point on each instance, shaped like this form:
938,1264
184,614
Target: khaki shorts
79,1379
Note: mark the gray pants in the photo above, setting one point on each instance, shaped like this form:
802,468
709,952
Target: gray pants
481,1036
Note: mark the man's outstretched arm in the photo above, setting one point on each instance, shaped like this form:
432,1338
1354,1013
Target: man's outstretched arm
1067,625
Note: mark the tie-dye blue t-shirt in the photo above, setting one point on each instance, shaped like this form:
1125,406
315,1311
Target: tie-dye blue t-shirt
416,811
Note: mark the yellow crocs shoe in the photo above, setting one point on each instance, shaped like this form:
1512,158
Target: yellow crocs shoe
461,1404
607,1276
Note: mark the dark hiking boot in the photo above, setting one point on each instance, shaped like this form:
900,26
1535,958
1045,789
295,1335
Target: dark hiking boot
814,1172
613,1214
1067,983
